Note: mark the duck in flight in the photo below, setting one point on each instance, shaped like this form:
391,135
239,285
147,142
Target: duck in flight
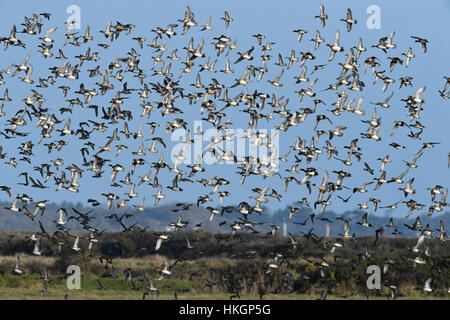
322,16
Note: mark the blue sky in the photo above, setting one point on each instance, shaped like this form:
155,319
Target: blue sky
276,20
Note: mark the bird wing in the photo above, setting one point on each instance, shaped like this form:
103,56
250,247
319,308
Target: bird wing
349,13
49,32
158,244
417,156
312,83
420,240
325,178
346,227
420,91
279,75
336,38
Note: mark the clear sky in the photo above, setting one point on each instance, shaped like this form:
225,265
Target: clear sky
275,20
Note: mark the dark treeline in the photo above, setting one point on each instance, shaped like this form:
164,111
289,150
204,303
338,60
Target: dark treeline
207,244
159,218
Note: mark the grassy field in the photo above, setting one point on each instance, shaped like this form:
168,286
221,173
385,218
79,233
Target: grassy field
59,292
29,285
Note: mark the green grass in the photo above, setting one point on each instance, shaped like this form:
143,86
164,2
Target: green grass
58,293
29,287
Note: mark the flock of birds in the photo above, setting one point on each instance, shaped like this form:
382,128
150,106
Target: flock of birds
160,91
